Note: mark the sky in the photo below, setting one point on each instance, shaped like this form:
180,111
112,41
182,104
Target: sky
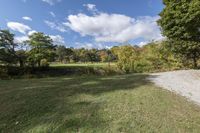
84,23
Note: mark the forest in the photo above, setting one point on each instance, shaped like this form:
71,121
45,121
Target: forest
40,51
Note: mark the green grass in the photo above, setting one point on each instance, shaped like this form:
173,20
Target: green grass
83,64
102,104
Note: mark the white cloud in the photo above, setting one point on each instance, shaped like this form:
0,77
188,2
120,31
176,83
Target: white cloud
88,45
31,32
56,26
20,27
90,7
114,27
20,39
57,39
27,18
84,45
51,2
142,43
52,14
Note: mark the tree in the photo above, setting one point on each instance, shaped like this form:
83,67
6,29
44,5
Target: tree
156,56
69,54
114,51
41,48
64,54
180,21
7,47
186,50
61,53
21,57
82,55
126,58
106,55
93,55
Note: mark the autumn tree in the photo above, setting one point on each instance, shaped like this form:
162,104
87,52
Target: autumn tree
126,58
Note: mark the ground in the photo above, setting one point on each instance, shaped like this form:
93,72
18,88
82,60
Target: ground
124,103
103,64
183,82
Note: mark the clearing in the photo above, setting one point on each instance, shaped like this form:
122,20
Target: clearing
124,103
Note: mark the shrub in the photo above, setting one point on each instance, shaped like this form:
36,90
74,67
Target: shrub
143,66
3,73
44,63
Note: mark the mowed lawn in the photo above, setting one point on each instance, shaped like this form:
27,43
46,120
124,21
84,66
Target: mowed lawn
100,104
83,64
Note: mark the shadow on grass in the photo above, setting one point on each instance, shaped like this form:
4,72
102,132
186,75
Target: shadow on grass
64,104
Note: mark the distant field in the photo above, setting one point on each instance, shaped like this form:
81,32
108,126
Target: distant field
100,104
83,64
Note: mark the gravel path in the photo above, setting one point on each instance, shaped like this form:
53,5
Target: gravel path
184,82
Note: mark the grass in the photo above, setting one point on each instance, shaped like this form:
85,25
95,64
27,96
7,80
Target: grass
56,70
125,103
83,64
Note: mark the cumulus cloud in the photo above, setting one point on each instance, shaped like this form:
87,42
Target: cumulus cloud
119,28
21,39
90,7
20,27
84,45
88,45
51,2
56,26
142,43
31,32
27,18
57,39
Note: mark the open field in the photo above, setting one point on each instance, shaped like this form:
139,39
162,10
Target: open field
75,66
83,64
124,103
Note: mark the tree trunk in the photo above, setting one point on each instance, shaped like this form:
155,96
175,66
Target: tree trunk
108,63
38,63
21,63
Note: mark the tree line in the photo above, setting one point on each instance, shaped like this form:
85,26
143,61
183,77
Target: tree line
39,50
179,22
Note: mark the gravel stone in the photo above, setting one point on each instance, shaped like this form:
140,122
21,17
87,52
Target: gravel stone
183,82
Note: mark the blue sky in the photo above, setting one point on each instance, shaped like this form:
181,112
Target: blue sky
83,23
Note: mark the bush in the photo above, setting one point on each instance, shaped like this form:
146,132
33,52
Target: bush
143,66
7,72
44,63
3,73
126,57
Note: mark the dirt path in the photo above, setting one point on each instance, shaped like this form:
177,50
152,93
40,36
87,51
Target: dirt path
184,82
